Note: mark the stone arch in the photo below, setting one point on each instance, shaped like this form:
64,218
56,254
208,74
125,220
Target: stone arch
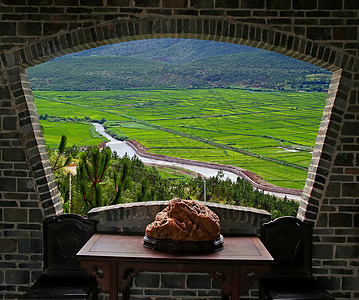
263,37
200,28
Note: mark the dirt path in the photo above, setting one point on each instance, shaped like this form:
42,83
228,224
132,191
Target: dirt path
255,180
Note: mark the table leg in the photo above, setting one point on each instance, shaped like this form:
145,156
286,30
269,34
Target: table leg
126,294
113,281
235,283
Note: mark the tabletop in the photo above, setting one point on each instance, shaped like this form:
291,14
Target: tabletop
131,247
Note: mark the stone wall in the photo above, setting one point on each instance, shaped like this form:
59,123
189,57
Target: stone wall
322,32
134,217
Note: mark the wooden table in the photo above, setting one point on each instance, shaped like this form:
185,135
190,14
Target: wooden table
116,259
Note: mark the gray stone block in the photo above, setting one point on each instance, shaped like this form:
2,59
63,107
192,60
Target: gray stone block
36,215
187,293
9,123
146,3
199,281
344,159
350,189
8,184
13,154
210,293
252,4
322,251
8,245
351,4
157,292
230,3
202,4
8,29
15,215
345,33
351,283
278,4
17,276
347,251
147,280
29,28
51,28
141,298
25,185
350,128
66,2
340,220
172,281
319,33
35,245
304,4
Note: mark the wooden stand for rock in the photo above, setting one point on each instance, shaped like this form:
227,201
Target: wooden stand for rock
172,246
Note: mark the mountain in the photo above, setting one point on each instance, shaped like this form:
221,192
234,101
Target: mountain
176,63
173,51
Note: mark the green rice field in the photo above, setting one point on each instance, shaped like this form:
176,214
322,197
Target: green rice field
269,133
77,133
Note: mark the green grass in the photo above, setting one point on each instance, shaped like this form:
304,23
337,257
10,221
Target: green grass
227,126
174,173
78,134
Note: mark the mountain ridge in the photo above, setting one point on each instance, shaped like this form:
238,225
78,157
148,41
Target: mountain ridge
170,50
176,63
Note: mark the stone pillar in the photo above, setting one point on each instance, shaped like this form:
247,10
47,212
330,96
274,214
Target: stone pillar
27,193
330,197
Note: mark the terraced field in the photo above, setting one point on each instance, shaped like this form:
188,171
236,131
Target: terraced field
269,133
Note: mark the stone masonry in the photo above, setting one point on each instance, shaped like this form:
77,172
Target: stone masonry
134,217
322,32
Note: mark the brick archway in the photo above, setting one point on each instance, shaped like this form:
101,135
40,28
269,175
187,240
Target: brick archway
248,34
209,29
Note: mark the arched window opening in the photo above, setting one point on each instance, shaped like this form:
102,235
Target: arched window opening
216,103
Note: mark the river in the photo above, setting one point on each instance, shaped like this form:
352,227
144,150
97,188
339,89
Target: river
123,147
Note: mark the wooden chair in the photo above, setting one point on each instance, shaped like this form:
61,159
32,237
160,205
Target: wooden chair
289,240
62,277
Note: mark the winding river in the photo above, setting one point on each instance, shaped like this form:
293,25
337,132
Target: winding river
123,147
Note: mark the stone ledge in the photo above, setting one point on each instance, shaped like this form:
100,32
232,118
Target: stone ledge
134,217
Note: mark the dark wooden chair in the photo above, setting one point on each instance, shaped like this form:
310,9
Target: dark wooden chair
62,277
289,241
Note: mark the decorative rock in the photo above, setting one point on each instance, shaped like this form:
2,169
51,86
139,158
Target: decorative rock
185,220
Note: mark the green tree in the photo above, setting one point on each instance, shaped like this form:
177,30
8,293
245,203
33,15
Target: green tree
122,180
60,160
144,193
63,184
74,151
91,174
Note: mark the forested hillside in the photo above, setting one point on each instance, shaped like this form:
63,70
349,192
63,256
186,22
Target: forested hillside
173,51
176,63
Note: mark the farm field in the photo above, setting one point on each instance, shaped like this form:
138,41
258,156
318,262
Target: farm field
78,134
269,133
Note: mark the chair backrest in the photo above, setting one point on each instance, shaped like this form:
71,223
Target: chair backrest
64,236
289,241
